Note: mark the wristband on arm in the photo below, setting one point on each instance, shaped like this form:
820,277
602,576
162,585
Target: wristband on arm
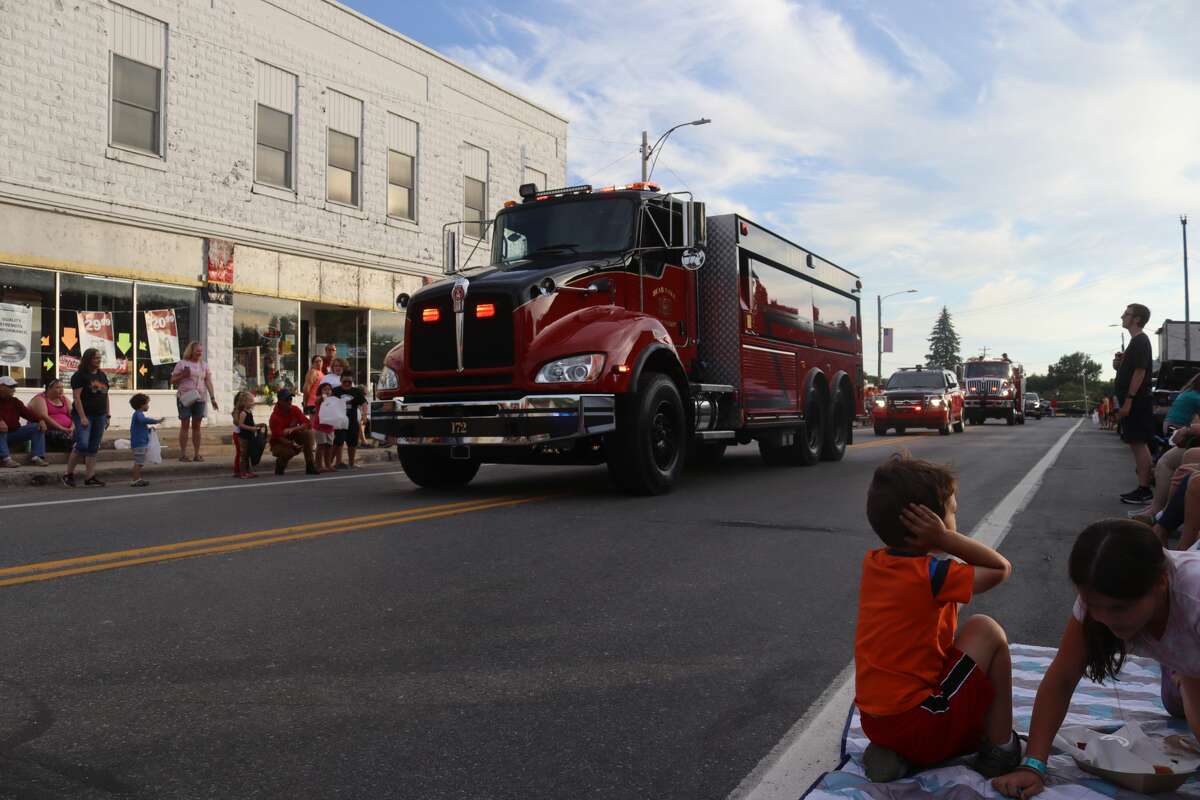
1034,765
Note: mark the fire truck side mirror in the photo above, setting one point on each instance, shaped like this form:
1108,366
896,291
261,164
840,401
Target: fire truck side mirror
450,253
695,225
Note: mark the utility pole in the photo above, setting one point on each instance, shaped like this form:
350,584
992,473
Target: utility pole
1187,308
645,154
879,338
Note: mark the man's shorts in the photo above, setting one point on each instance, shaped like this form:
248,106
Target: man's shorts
323,437
139,456
346,436
1139,425
948,724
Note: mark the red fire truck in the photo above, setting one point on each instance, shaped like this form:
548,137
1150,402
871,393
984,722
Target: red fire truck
995,389
622,326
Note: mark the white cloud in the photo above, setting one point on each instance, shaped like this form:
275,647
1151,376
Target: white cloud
1025,167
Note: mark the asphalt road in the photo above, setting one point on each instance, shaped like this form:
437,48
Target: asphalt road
533,636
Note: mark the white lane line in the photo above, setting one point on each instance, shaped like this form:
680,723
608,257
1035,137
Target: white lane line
220,488
813,745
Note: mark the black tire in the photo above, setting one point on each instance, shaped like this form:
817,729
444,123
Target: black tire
944,430
706,455
1010,418
880,430
805,449
648,450
837,432
1020,419
961,425
432,467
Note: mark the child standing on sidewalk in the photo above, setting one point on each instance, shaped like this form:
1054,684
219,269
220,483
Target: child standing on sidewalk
139,436
323,434
927,689
243,434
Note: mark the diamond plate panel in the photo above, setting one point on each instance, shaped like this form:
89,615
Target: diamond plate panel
719,309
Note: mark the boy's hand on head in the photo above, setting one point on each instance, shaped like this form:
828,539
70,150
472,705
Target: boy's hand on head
927,529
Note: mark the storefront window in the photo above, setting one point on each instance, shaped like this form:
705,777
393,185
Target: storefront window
27,325
387,331
96,312
345,329
264,345
167,320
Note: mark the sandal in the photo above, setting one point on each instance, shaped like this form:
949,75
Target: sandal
185,459
198,457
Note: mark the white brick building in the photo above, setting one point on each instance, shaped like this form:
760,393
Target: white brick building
139,140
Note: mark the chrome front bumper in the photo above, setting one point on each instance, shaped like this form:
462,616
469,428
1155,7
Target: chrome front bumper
525,421
988,402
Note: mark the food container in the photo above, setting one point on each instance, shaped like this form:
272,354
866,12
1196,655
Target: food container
1131,759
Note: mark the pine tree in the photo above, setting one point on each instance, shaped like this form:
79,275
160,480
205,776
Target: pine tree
943,343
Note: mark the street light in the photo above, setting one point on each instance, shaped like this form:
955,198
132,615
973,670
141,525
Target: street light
1187,308
879,338
1122,327
647,150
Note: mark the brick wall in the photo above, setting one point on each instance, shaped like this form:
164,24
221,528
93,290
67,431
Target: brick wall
54,149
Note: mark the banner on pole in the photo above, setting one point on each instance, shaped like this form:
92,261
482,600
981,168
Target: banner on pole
96,331
16,335
887,340
162,334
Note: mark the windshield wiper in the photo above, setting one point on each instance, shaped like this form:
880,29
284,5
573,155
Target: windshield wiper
546,248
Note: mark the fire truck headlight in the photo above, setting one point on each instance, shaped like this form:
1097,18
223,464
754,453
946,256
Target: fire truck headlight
576,369
387,379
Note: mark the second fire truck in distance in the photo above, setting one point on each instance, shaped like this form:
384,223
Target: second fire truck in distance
622,326
994,389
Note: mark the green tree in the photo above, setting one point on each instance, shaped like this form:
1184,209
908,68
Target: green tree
943,343
1073,368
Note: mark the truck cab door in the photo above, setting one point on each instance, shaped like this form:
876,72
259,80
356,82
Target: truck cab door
668,290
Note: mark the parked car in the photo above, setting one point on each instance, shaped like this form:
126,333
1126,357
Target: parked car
1034,406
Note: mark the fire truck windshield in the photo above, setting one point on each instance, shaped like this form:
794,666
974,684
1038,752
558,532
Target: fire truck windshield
575,227
917,380
987,369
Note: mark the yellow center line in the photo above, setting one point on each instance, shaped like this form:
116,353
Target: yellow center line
120,559
188,543
897,442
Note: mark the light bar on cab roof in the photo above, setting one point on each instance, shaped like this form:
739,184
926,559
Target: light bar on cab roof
528,196
640,186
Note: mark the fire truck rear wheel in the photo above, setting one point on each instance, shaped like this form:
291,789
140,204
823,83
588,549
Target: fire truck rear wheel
837,433
805,449
432,467
647,451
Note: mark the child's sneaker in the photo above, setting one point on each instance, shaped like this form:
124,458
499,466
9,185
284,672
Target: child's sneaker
992,761
883,765
140,482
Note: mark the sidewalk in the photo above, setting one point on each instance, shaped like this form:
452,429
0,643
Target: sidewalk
113,465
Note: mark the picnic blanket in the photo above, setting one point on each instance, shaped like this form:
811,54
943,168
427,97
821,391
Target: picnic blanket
1134,698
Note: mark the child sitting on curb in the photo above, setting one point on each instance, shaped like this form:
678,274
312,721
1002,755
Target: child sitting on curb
139,436
927,689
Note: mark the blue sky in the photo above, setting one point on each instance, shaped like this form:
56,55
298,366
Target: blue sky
1023,163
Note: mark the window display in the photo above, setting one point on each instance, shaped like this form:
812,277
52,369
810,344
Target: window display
387,331
96,312
167,320
27,328
264,345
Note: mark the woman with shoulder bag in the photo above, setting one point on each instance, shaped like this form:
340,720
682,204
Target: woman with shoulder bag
193,385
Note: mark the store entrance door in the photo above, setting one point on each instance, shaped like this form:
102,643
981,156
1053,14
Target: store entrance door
346,329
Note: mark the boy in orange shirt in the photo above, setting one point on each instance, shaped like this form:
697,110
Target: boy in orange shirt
928,690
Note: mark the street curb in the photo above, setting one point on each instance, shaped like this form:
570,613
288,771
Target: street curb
214,464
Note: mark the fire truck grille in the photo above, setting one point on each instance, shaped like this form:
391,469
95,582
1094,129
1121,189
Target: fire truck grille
487,341
985,385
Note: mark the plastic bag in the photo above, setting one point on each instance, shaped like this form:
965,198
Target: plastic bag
154,449
1129,757
120,444
333,412
257,444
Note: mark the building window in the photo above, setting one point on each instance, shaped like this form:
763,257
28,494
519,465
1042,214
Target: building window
400,185
27,302
536,177
273,158
387,331
474,195
167,321
96,313
265,331
341,176
136,105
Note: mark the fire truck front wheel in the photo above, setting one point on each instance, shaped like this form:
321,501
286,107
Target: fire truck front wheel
648,450
432,467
